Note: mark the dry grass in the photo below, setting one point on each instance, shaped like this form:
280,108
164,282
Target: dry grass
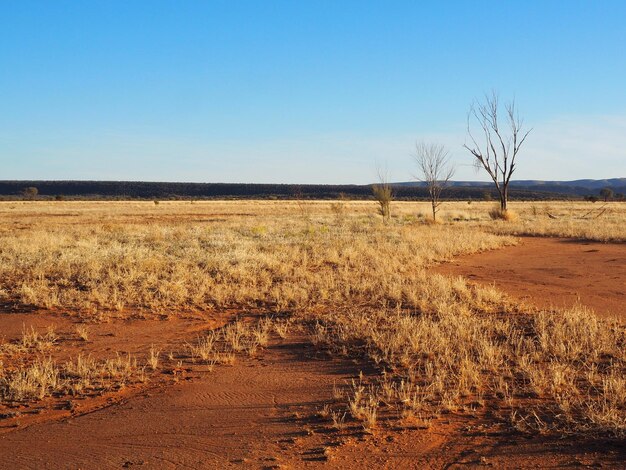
277,263
83,332
363,288
507,215
35,381
556,371
31,374
153,358
221,346
43,377
580,220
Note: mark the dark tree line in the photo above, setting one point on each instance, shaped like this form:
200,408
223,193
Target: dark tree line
150,190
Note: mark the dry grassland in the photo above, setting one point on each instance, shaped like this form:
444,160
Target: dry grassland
358,286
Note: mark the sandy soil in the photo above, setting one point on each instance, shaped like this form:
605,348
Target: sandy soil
105,341
552,272
262,413
258,413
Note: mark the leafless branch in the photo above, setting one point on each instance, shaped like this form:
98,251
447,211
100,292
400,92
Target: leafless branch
435,170
500,146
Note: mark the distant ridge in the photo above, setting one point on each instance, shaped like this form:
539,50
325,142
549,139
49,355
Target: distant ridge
584,187
523,189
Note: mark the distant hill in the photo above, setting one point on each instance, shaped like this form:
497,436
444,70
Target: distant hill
584,187
520,190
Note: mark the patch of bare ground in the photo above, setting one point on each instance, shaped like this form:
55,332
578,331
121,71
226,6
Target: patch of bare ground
553,273
259,412
55,366
463,442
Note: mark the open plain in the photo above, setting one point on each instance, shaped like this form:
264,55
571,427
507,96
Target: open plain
287,334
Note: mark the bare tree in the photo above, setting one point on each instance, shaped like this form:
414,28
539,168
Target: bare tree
383,195
30,192
435,170
499,145
606,193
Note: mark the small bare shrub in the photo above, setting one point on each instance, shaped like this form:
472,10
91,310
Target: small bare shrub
204,347
83,332
503,214
34,382
339,211
282,328
153,358
234,336
339,420
383,195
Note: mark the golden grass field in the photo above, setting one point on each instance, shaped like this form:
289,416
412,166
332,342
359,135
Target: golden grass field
355,286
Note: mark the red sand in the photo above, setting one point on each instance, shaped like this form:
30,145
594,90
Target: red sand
552,272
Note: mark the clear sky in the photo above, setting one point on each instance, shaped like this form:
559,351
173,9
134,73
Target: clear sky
302,91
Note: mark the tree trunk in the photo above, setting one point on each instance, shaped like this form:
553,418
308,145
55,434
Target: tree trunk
434,210
504,196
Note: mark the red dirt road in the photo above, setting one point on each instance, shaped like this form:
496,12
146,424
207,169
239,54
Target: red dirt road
552,272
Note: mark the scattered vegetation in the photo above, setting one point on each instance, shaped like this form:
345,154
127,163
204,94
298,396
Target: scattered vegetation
361,289
43,377
383,195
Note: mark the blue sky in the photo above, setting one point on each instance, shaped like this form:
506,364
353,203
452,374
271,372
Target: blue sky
302,92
